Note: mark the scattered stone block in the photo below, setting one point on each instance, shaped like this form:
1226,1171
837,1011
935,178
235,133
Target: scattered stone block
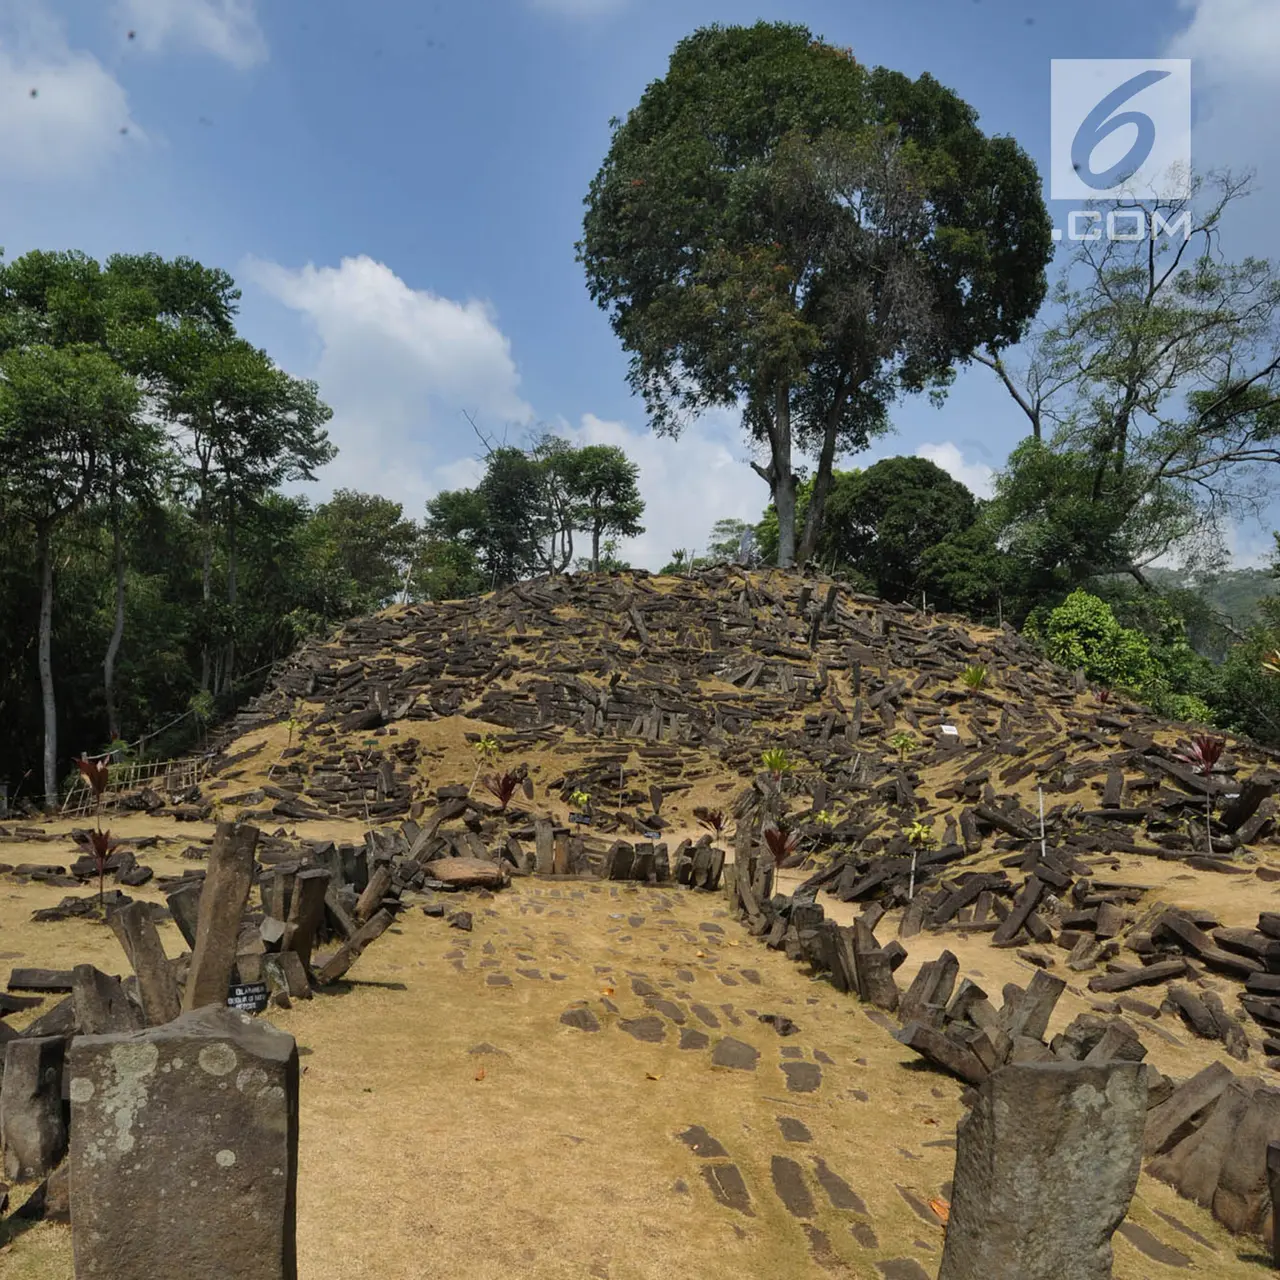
184,1151
101,1005
33,1132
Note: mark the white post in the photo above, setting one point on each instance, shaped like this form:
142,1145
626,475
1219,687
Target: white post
1043,851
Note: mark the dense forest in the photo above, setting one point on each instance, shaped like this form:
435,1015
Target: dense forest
775,227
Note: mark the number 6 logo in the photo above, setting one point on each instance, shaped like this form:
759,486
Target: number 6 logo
1100,124
1091,99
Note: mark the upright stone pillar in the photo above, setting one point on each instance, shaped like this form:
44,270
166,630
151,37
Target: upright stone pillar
184,1151
32,1131
1046,1165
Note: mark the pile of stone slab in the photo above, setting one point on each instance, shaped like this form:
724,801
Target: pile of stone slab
1209,1140
706,672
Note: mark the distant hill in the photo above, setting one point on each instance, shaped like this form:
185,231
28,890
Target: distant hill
1234,594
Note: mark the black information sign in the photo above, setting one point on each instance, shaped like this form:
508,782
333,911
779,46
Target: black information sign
582,819
248,997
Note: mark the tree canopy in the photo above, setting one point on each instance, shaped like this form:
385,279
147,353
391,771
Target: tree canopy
778,227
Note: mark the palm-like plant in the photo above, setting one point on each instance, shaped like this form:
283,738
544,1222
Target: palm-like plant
920,836
712,819
98,842
1203,754
903,743
777,762
975,677
781,840
504,786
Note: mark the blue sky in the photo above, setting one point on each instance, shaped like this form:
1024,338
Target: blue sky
398,187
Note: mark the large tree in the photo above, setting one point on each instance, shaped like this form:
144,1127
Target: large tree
1151,394
777,227
884,520
63,410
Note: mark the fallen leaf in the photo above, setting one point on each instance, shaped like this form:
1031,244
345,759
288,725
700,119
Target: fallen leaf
942,1209
606,991
931,1121
648,1075
702,955
480,1074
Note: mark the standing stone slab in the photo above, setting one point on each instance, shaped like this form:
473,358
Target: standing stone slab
157,987
306,911
101,1005
1046,1166
184,906
184,1151
32,1129
222,900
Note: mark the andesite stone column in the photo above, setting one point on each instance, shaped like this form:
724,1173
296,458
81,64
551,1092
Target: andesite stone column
184,1151
1046,1166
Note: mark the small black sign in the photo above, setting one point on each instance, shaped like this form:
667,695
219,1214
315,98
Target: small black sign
581,819
248,997
652,835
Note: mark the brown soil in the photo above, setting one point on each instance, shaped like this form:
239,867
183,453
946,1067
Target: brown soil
454,1126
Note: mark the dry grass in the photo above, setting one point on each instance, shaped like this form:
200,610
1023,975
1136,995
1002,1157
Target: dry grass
562,1161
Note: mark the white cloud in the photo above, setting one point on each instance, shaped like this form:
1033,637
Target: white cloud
227,29
1234,46
399,366
1231,38
73,123
977,477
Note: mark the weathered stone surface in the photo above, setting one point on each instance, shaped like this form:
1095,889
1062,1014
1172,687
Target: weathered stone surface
736,1054
1242,1200
101,1005
306,911
1046,1165
32,1130
184,1151
582,1019
157,987
468,873
222,900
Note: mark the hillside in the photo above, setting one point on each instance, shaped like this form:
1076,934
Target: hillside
618,685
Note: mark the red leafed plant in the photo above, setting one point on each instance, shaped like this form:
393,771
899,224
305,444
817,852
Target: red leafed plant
504,786
102,846
712,819
1204,752
1102,696
782,842
94,773
99,842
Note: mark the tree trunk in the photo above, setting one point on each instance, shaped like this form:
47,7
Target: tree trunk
779,476
228,675
595,548
117,631
44,551
206,588
822,480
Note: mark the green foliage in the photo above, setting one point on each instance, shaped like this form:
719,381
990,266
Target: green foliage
1082,633
777,762
779,226
521,518
975,677
920,835
903,743
882,521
